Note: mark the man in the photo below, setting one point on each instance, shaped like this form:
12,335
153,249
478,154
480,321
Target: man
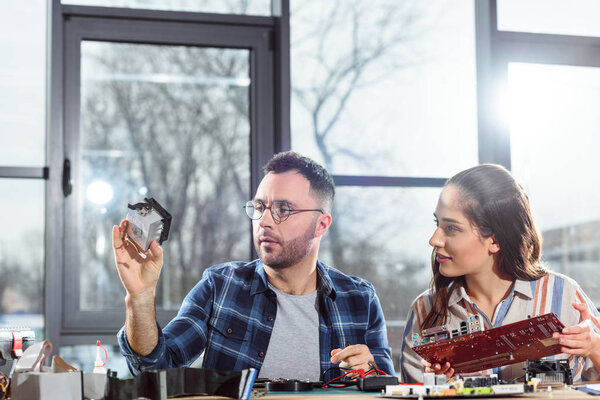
286,314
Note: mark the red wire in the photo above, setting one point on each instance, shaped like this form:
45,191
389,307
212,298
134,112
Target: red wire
360,372
374,369
379,372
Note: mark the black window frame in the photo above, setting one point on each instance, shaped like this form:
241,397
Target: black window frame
267,38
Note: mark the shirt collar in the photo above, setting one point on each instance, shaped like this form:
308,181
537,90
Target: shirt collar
324,282
458,293
259,283
522,288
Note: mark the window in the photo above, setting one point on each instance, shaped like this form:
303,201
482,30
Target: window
552,111
22,161
547,72
384,95
22,84
169,122
549,16
378,235
83,358
182,112
389,91
22,253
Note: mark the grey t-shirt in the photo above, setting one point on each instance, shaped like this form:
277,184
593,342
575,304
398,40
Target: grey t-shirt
293,351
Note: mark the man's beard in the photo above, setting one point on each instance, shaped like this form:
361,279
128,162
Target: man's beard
292,251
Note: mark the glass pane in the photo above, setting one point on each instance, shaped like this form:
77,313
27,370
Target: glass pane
382,235
574,17
22,83
22,254
254,7
554,125
83,358
168,122
384,87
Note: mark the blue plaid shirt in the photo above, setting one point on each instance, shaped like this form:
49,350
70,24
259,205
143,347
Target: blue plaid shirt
230,314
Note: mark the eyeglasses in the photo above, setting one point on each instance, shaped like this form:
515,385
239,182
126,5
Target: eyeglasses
280,210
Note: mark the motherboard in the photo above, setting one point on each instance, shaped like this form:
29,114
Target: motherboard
476,349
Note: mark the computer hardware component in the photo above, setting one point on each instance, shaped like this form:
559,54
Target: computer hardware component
474,323
288,385
507,344
376,383
148,221
182,381
401,391
549,372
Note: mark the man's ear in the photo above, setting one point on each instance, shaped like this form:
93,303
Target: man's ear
494,245
323,224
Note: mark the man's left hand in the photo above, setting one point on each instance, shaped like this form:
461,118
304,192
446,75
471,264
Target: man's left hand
356,356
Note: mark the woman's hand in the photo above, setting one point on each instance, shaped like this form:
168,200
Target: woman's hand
445,369
581,339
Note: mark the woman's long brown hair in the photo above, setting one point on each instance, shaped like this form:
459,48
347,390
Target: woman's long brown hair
497,205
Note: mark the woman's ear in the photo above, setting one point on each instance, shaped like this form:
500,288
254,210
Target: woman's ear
494,245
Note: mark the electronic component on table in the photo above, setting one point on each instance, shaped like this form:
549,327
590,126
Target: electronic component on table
288,385
182,381
462,386
474,323
507,344
453,390
375,383
549,372
148,221
459,387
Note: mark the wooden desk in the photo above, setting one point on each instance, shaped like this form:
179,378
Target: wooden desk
353,394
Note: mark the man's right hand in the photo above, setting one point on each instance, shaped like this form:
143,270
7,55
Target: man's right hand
137,274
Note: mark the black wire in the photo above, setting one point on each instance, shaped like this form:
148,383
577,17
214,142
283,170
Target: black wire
332,368
340,383
373,368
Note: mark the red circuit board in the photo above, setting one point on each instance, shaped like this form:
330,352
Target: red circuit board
508,344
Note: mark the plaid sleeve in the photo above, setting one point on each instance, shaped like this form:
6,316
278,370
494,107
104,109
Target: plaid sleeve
182,340
136,362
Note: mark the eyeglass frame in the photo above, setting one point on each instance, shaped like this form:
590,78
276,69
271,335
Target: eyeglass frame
274,214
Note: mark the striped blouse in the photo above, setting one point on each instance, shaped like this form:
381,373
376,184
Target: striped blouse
553,292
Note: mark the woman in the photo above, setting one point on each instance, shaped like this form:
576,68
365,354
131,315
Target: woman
486,261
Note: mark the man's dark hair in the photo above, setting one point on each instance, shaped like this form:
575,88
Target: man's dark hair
321,182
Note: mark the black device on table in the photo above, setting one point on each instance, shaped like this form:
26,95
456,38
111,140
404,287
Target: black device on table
285,385
373,383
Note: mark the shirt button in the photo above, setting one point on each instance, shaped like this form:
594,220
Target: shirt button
261,354
347,344
269,318
229,330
